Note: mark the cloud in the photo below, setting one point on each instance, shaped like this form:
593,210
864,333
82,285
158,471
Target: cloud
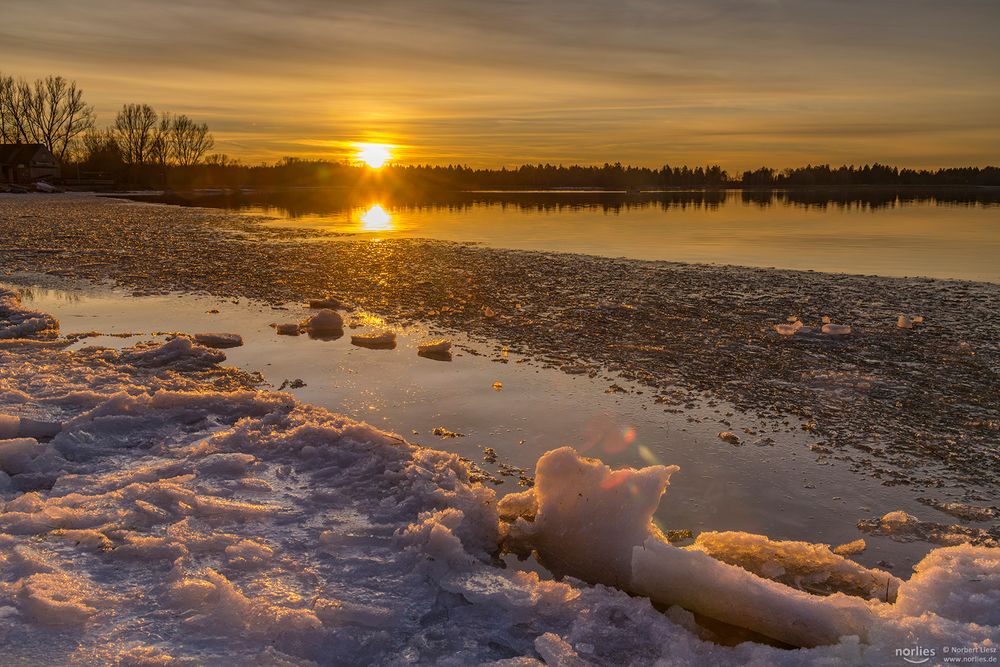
642,81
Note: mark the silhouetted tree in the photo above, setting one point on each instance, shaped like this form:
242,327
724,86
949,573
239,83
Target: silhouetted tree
50,111
134,132
189,141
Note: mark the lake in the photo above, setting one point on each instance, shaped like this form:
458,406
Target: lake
953,235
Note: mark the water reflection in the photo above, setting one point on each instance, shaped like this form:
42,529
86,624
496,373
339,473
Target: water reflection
376,219
296,203
942,234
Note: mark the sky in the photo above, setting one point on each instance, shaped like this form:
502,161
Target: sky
740,83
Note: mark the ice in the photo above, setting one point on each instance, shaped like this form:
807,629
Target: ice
182,516
730,437
960,583
379,340
325,321
12,426
810,567
179,353
796,327
851,548
19,322
219,340
836,329
582,519
435,349
579,500
901,526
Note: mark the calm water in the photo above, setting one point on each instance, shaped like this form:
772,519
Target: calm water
942,236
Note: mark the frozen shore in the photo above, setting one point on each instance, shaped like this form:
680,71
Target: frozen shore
179,516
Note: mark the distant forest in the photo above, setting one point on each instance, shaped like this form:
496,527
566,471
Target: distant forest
216,173
146,148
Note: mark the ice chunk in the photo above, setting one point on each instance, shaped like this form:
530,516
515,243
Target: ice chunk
791,329
851,548
731,594
26,455
22,427
730,437
56,599
435,349
556,651
595,524
179,353
219,340
588,517
810,567
836,329
381,340
325,321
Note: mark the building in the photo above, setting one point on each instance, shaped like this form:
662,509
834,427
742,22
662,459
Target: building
27,163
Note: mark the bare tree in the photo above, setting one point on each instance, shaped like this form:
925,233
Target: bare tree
99,150
13,119
160,149
134,132
190,141
51,111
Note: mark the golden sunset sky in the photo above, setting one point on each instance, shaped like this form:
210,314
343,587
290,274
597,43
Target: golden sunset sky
741,83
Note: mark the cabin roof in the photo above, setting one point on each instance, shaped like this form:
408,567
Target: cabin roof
19,153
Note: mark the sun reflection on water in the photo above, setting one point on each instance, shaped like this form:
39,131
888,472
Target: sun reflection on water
376,219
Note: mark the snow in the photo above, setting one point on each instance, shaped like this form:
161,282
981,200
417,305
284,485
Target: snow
181,516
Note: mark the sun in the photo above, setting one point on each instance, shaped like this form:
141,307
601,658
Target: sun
374,155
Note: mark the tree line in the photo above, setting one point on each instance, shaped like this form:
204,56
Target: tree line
51,111
220,172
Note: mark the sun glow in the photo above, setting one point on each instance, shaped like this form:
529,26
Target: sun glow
374,155
376,219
